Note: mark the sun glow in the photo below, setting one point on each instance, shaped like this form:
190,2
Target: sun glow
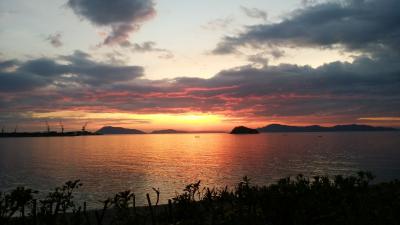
188,121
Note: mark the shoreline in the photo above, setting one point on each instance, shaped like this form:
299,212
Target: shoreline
51,134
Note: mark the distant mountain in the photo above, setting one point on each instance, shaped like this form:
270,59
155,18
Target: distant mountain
316,128
118,130
169,131
244,130
355,127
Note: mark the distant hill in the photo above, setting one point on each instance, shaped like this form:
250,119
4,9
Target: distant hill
118,130
169,131
317,128
244,130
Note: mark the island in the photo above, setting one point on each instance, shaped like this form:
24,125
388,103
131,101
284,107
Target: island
118,130
317,128
169,131
244,130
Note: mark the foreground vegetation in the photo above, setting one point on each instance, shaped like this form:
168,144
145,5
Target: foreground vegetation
300,200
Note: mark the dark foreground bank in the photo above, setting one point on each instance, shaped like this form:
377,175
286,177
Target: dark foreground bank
47,134
319,200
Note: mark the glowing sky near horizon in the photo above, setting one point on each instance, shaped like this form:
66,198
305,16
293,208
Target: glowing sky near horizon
199,65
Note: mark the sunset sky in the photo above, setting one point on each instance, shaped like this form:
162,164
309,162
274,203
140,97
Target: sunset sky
198,65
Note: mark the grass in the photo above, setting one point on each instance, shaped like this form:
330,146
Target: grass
300,200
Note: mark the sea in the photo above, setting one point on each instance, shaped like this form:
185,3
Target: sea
109,164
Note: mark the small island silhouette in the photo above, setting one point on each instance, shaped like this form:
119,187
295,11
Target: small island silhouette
244,130
118,130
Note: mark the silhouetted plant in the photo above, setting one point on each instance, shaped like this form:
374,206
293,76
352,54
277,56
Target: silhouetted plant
120,202
299,200
100,214
157,191
17,201
60,200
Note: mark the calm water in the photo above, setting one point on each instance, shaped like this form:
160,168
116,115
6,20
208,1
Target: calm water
108,164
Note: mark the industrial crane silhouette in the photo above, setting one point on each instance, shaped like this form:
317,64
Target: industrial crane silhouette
84,127
47,127
62,127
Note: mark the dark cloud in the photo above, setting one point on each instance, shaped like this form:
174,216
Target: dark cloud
364,76
11,80
254,13
104,12
120,33
122,16
258,59
364,25
77,69
43,67
276,53
8,64
15,82
55,40
262,58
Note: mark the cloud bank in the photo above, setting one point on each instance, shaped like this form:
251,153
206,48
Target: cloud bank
365,88
73,70
362,25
